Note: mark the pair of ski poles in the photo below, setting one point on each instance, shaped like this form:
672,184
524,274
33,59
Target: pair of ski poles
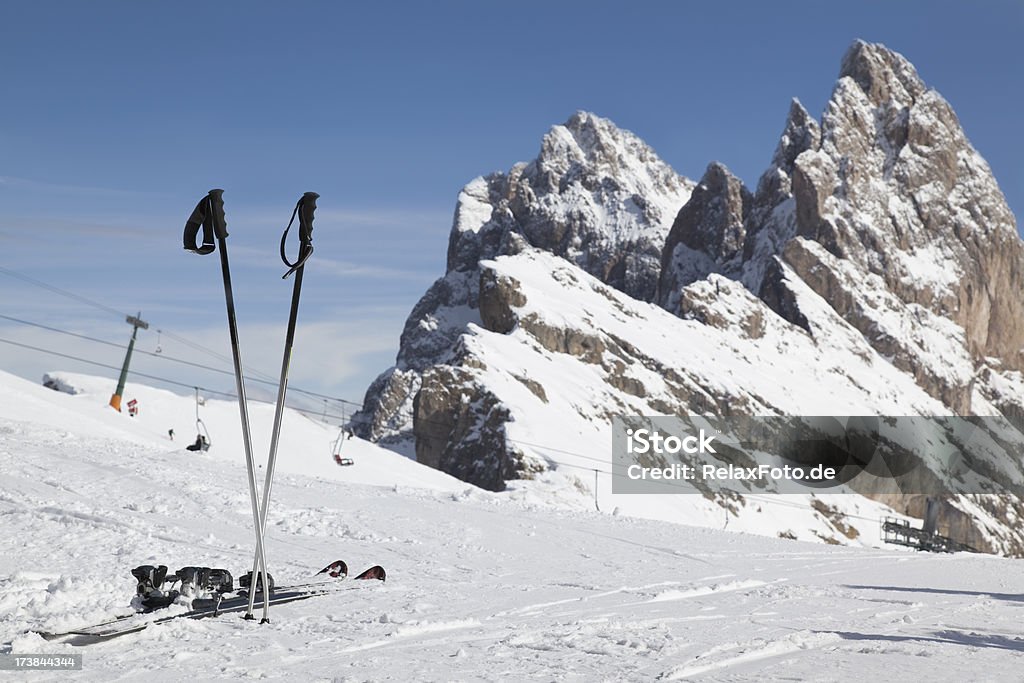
209,215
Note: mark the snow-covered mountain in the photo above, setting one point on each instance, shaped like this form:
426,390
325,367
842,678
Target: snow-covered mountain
873,271
481,586
596,196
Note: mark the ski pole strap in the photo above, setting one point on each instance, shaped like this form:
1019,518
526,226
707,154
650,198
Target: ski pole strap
208,215
304,209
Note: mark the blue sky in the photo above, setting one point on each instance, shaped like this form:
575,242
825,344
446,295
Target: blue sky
118,116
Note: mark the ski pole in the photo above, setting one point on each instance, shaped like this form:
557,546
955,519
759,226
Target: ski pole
209,214
304,208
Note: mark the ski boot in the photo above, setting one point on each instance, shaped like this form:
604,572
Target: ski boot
150,593
245,583
204,586
204,582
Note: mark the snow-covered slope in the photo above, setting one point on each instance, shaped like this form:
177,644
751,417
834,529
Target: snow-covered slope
305,446
559,353
480,586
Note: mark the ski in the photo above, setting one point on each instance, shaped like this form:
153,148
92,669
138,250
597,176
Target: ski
211,607
374,572
92,635
142,616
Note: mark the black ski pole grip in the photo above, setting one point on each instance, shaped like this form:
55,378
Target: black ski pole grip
220,223
208,215
304,209
307,206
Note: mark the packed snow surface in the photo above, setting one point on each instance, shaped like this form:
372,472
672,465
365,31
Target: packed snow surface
480,586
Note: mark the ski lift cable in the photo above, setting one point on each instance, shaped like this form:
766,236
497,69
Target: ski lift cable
226,394
120,314
267,378
215,354
62,292
164,356
86,337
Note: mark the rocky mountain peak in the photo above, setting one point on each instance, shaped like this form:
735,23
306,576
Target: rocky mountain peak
897,189
584,138
596,195
708,233
589,149
889,185
881,73
719,201
800,134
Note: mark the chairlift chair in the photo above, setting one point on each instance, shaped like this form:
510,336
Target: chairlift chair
202,438
203,441
343,433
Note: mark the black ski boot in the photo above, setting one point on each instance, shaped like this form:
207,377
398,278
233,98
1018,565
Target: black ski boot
205,582
150,591
205,587
245,582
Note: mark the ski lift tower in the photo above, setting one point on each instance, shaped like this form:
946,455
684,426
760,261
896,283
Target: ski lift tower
136,322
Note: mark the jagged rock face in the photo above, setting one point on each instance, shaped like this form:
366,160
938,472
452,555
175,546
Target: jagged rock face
889,214
896,187
708,234
596,195
460,429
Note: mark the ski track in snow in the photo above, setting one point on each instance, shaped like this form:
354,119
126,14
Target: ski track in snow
481,587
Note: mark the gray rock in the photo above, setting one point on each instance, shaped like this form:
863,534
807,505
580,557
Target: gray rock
707,236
